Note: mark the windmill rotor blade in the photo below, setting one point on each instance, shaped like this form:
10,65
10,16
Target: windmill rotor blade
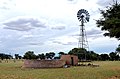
80,15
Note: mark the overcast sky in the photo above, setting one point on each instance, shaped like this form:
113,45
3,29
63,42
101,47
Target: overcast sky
50,26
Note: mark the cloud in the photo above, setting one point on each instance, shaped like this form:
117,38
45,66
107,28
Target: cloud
4,7
24,24
92,33
35,43
73,1
67,43
6,4
20,28
58,27
65,40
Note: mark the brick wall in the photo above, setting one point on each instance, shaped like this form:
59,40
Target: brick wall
43,63
69,59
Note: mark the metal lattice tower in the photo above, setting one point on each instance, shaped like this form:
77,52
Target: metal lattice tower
83,17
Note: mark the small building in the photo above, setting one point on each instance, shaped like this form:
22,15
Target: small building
70,59
64,60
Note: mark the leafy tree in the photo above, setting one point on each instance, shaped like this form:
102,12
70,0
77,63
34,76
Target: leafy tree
5,56
20,57
2,56
50,55
110,21
61,53
8,56
47,56
113,56
104,57
29,55
118,49
93,55
41,56
16,56
80,52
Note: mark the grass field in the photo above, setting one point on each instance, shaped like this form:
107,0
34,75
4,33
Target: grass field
106,70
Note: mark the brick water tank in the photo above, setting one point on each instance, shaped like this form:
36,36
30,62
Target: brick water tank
70,59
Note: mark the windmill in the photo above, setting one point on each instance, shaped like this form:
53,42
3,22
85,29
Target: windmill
83,17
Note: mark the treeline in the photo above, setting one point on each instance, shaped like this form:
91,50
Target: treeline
31,55
5,56
82,54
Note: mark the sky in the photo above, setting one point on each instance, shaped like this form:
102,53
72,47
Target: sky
46,26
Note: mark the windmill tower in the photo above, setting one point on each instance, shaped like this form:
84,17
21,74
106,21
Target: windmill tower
83,17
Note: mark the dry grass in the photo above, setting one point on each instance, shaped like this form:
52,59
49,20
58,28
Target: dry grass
107,70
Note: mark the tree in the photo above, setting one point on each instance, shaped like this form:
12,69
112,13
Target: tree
29,55
8,56
50,55
104,57
20,57
93,55
113,56
110,21
118,49
41,56
5,56
16,56
80,52
2,56
61,53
